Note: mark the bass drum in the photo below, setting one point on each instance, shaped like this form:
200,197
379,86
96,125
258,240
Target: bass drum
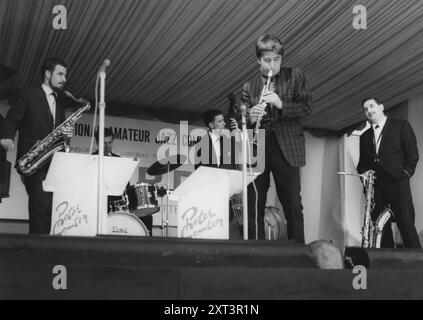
274,225
125,224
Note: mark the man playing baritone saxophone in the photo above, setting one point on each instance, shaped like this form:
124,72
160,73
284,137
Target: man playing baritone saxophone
389,148
283,107
35,113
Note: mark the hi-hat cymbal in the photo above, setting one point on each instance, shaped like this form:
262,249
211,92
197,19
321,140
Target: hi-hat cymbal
166,165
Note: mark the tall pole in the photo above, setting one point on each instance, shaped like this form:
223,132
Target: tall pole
244,177
102,108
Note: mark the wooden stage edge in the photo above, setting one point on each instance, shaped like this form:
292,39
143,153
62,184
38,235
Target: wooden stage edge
183,269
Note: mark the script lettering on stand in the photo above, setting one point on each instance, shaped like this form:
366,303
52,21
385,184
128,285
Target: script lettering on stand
70,217
196,222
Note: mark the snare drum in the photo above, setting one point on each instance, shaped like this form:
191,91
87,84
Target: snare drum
118,203
125,224
142,199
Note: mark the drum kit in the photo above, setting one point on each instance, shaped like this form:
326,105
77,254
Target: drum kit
141,200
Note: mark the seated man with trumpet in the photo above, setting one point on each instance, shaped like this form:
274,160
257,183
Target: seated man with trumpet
36,113
278,99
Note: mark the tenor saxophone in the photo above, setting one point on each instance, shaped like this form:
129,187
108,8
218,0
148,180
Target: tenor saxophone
39,154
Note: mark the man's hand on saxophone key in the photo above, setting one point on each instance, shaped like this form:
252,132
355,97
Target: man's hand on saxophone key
68,132
365,176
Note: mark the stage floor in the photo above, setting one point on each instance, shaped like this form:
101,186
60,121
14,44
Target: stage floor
34,267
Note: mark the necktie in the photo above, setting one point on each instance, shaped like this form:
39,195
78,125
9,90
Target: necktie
221,151
377,137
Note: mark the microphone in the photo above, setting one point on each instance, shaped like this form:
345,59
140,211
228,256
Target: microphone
104,65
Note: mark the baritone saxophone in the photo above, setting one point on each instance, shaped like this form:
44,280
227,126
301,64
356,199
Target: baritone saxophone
372,230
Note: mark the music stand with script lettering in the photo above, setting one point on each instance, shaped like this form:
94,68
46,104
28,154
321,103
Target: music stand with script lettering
72,178
203,202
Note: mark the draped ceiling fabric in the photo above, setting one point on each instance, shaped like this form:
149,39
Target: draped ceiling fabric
177,58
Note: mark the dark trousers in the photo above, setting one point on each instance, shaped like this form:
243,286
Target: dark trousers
288,188
397,195
235,222
39,203
148,222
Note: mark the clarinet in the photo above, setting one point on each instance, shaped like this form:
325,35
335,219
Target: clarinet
263,92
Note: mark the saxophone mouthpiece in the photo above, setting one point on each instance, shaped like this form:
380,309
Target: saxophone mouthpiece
80,100
70,95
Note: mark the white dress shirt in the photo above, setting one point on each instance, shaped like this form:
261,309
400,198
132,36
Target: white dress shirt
216,145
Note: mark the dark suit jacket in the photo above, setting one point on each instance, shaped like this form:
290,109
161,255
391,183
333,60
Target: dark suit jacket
2,151
2,162
397,151
206,145
30,114
291,86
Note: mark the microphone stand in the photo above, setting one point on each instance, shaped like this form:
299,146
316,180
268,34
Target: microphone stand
244,175
102,107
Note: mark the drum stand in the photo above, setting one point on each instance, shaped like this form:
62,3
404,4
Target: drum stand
165,224
158,169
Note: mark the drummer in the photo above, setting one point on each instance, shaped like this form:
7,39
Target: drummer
108,147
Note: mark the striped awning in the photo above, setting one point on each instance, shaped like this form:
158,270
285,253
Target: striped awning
174,59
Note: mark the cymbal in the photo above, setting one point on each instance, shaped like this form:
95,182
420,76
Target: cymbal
166,164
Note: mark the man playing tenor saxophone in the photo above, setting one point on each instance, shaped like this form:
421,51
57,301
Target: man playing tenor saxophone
35,113
389,149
